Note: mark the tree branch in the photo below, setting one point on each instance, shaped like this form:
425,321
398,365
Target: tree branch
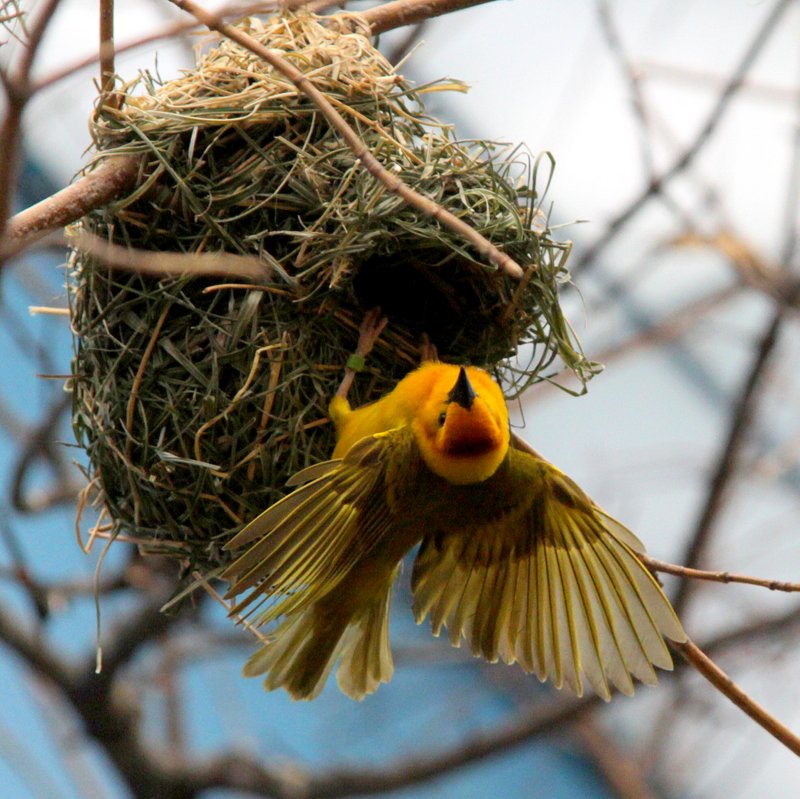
165,264
16,83
36,652
716,576
408,12
242,774
112,177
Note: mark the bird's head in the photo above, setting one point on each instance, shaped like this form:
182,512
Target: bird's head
462,426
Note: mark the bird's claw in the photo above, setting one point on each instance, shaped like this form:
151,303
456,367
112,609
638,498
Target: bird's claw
370,331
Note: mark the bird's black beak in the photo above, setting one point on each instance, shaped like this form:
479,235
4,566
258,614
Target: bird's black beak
463,393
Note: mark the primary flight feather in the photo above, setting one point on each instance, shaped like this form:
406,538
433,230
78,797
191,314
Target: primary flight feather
514,558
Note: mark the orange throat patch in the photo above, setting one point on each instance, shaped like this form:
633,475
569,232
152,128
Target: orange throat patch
470,444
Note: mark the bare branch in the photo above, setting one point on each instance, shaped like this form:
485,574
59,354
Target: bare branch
110,179
717,576
17,86
623,774
408,12
632,78
761,627
40,445
116,175
106,52
749,396
35,651
670,327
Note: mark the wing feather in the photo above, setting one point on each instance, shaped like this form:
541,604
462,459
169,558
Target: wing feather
487,609
496,629
585,628
546,637
523,609
553,583
576,652
304,545
508,622
561,633
602,657
612,629
464,611
312,472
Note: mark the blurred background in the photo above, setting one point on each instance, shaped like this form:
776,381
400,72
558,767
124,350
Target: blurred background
675,127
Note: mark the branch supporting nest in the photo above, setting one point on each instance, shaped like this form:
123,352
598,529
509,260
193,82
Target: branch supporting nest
116,176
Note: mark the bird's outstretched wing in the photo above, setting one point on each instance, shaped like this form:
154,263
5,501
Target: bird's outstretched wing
305,544
548,580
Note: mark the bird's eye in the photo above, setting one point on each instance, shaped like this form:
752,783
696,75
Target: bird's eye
442,418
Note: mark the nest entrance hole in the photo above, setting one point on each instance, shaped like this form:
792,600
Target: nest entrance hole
439,300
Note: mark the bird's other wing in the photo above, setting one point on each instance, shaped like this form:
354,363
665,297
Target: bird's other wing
547,579
303,545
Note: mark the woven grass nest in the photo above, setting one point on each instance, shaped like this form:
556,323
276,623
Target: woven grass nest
196,402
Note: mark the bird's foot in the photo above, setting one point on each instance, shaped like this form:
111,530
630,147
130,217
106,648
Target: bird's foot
369,332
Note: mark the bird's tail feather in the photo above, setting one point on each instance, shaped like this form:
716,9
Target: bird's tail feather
305,647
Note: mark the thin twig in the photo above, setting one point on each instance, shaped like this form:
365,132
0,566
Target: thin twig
167,32
114,176
748,399
670,327
106,52
762,627
624,774
165,264
718,678
754,270
681,75
717,576
60,591
40,447
609,29
20,572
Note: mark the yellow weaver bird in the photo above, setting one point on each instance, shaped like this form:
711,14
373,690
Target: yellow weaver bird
514,557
